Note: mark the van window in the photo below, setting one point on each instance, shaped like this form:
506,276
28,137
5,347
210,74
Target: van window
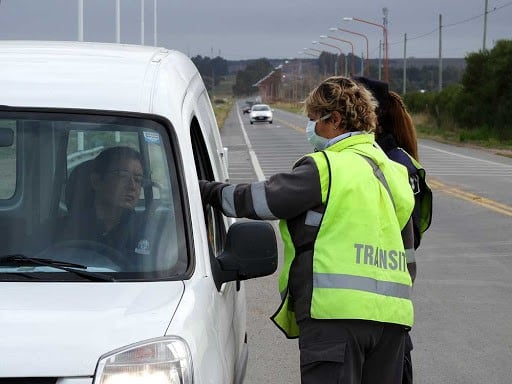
8,161
215,227
98,195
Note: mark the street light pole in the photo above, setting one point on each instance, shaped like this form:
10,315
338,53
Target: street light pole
154,21
311,76
351,46
385,35
385,24
80,135
307,53
404,85
313,49
440,77
380,60
367,45
336,63
319,54
485,23
118,21
141,22
80,20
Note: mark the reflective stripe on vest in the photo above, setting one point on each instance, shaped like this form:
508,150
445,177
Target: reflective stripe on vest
339,281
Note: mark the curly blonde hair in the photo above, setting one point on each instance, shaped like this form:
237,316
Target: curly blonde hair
354,102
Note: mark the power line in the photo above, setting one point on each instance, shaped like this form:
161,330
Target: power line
501,6
416,37
495,9
464,21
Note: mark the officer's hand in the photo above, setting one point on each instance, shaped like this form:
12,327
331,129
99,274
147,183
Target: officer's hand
203,187
211,192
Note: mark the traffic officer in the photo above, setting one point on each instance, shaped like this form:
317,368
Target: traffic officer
347,233
396,135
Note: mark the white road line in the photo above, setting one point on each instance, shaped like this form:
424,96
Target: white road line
463,156
254,160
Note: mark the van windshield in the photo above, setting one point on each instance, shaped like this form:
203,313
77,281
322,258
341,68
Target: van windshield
89,197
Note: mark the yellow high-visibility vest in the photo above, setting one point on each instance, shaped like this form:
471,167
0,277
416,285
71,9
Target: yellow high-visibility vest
359,262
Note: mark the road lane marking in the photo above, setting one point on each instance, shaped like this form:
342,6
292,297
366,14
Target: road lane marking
254,159
292,126
464,156
471,197
438,185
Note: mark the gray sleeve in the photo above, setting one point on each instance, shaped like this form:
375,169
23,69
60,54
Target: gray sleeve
282,196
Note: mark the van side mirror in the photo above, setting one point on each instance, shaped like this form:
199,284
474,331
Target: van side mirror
250,251
6,137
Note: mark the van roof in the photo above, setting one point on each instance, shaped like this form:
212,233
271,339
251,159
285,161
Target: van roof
87,75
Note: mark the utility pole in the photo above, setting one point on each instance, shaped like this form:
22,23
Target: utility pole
440,85
80,141
118,21
386,47
80,20
141,22
485,23
404,89
154,21
380,59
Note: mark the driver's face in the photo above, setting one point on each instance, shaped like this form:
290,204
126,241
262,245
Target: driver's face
121,184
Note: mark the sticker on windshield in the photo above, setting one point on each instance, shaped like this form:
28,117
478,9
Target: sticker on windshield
152,137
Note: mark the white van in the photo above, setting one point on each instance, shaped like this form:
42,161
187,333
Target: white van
90,306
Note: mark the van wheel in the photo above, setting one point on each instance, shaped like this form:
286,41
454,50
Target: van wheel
270,122
252,122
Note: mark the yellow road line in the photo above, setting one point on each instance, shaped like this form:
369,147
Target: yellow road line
471,197
437,185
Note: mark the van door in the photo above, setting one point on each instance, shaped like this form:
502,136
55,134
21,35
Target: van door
229,317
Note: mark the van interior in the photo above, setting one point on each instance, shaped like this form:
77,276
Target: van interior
46,162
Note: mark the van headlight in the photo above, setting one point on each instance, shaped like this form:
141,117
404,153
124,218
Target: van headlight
159,361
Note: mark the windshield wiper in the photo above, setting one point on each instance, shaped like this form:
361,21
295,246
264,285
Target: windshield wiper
76,269
21,259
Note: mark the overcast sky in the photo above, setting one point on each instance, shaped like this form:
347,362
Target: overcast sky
249,29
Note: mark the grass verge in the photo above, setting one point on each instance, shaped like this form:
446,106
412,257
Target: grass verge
221,107
445,131
426,127
290,107
449,132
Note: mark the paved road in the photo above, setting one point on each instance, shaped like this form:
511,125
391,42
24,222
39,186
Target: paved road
463,293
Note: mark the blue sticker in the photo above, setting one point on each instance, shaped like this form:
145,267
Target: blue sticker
152,137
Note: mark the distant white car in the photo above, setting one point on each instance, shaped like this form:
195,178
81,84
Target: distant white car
261,113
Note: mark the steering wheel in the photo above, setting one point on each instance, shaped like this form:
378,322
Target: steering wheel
91,253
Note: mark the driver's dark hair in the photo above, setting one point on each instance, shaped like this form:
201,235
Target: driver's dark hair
113,156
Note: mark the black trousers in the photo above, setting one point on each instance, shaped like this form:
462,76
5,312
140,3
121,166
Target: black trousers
351,352
407,377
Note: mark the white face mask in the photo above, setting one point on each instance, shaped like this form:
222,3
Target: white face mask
318,142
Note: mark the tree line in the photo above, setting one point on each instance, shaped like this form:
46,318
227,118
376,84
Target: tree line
212,70
483,98
477,96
